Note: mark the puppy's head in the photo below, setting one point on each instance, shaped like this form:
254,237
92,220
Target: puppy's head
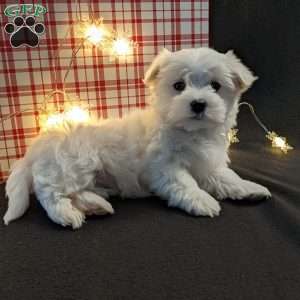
197,88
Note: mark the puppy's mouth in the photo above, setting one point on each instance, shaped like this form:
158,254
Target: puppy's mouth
198,116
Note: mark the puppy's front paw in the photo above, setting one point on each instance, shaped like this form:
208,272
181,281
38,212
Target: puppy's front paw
204,205
250,190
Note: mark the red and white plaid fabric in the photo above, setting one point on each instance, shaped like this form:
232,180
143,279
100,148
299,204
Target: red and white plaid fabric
109,88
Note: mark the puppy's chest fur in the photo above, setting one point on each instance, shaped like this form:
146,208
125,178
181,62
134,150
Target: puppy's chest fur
200,152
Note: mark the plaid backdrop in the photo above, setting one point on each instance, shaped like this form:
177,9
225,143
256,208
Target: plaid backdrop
109,88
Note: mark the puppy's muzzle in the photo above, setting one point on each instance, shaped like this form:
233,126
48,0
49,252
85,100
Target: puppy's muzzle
198,106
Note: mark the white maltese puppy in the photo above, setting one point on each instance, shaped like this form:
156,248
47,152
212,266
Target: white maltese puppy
175,149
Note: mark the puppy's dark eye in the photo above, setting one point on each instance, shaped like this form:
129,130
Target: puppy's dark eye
215,85
179,86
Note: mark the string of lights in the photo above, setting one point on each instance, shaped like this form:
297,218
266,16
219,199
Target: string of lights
96,34
276,140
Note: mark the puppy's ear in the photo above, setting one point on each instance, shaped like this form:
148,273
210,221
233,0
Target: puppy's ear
154,68
242,76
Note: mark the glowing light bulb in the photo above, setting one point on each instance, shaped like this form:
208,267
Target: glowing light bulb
278,142
77,115
122,46
74,115
54,120
232,136
94,34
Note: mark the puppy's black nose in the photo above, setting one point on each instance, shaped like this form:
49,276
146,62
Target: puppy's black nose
198,106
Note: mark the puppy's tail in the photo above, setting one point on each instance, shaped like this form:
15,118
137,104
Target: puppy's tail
17,190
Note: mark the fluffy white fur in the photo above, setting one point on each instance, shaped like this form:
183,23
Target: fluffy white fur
166,149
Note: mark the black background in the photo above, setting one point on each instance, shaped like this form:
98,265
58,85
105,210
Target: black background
266,36
148,251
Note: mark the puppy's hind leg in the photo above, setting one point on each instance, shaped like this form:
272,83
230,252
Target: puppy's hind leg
60,208
90,203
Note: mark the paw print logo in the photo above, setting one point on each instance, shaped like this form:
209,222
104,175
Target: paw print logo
24,32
